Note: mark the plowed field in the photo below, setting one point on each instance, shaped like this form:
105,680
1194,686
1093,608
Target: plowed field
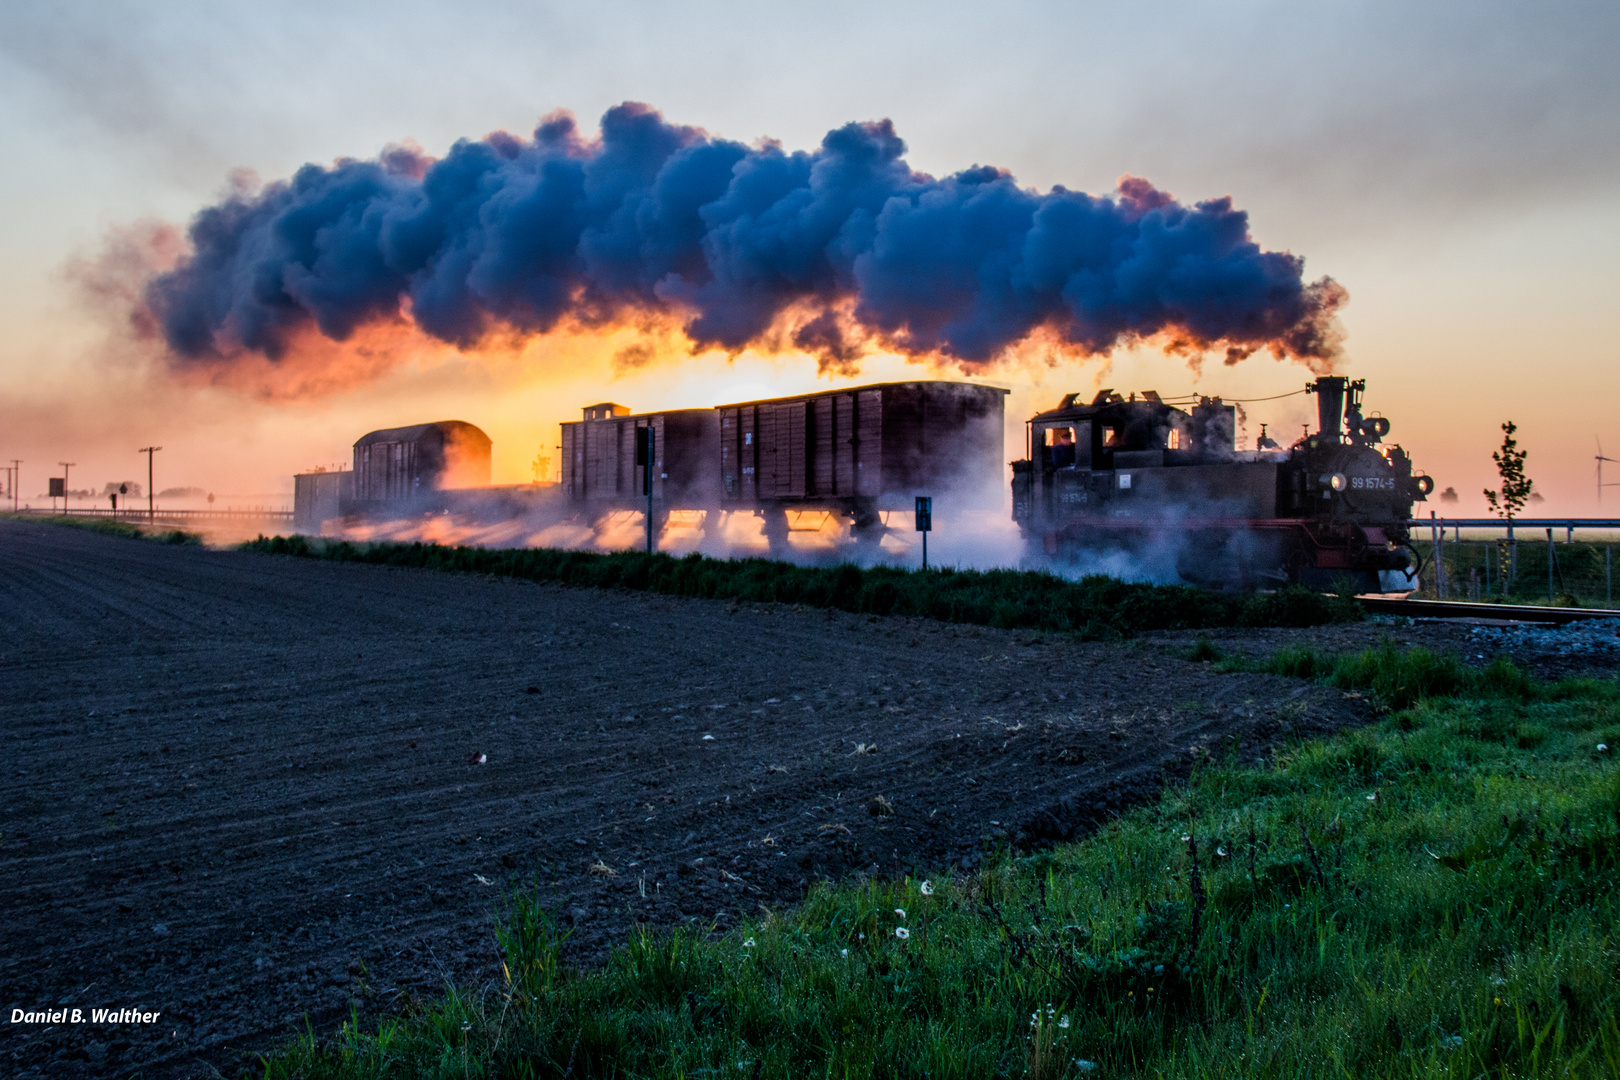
242,790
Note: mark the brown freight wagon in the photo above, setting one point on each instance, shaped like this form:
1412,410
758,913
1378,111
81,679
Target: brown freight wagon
599,458
850,453
861,450
397,464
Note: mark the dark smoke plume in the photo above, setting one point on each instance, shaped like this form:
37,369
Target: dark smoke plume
841,250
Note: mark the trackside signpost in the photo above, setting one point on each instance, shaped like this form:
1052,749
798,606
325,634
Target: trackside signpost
925,522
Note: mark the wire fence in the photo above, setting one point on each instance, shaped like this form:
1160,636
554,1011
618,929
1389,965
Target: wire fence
1537,560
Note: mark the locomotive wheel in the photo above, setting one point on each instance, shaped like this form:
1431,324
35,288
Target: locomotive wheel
1355,545
1293,560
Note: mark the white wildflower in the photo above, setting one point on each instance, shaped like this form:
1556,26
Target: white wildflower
902,933
927,889
749,944
1063,1023
900,911
1083,1065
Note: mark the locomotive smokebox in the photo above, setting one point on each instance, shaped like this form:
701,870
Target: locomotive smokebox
1329,391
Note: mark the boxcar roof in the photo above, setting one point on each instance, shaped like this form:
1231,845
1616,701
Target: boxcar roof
416,431
868,386
639,416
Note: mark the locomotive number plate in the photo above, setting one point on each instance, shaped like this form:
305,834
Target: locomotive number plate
1372,483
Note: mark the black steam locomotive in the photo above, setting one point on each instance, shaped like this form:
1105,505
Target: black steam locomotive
1141,475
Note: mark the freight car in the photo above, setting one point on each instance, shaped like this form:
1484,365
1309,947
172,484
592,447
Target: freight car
1141,475
841,454
398,472
397,464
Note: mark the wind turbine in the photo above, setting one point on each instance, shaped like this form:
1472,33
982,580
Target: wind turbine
1600,460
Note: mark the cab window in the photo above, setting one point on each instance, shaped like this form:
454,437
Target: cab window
1059,447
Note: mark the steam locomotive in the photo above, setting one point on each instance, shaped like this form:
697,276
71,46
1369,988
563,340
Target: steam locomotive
1141,475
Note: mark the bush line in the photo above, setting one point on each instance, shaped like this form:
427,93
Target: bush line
1092,608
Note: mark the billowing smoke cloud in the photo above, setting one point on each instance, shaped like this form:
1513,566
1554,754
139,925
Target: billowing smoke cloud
837,251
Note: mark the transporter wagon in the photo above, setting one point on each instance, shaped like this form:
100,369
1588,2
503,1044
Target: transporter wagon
1141,475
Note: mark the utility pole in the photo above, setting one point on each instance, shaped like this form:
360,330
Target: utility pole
66,465
16,478
149,451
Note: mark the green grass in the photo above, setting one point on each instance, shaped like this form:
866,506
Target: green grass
1433,895
1584,574
1092,608
112,527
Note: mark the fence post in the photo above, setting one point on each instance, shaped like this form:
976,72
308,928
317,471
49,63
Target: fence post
1551,555
1435,534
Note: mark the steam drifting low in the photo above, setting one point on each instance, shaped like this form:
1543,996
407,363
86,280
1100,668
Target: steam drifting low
838,252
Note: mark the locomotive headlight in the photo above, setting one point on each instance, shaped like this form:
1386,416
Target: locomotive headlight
1336,481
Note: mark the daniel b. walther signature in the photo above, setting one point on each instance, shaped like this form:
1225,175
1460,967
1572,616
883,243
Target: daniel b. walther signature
77,1016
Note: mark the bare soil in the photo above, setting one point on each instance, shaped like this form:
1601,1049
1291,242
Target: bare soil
247,790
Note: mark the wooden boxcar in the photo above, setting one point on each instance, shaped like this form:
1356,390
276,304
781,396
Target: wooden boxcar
861,450
851,453
599,458
401,463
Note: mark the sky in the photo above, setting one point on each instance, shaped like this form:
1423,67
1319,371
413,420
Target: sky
1454,166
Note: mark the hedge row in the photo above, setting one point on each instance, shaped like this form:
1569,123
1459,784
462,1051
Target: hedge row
1091,608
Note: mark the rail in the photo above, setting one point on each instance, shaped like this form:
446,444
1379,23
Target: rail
1458,609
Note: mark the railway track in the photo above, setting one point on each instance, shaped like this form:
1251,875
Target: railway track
1452,609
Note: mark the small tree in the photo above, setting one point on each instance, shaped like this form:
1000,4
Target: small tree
1516,487
1516,490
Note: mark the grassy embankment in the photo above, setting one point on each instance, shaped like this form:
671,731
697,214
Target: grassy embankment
113,527
1091,608
1430,896
1584,574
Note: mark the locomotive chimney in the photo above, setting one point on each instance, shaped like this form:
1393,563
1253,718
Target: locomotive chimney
1329,391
